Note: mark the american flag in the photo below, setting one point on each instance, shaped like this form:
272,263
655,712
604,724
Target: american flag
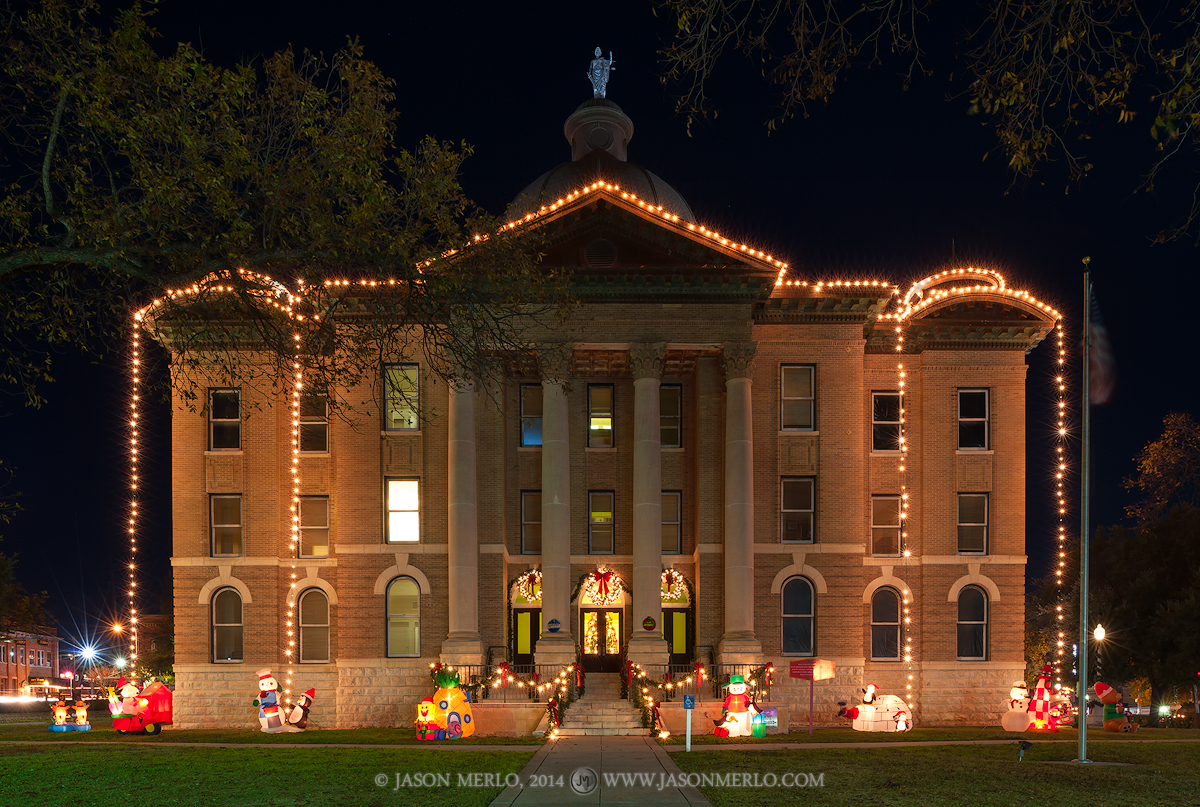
1102,369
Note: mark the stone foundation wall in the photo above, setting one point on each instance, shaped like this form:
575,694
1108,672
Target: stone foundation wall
381,691
506,719
967,694
221,696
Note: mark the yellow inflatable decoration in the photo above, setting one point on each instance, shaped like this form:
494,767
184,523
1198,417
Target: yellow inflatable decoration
451,708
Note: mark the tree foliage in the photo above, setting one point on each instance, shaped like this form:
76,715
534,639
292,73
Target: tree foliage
1168,470
131,171
1047,75
19,610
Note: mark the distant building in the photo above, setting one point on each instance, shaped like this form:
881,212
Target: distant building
706,412
29,663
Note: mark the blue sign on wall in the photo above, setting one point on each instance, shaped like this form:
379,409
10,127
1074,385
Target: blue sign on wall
554,626
689,701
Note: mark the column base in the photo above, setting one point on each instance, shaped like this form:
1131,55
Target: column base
555,650
737,648
463,651
647,648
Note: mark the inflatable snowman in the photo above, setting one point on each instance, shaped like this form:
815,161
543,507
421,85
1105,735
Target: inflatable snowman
737,717
1017,717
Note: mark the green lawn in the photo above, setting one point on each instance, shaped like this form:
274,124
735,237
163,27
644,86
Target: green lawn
1165,774
849,735
105,775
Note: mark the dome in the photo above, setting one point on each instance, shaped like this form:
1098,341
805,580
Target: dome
599,133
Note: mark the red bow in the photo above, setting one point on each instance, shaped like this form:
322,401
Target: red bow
552,708
602,579
697,670
579,678
657,718
535,678
628,674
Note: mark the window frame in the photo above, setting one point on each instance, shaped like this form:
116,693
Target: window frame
986,420
612,494
612,415
214,421
313,421
525,520
213,625
678,494
887,625
986,524
959,622
387,511
812,511
812,399
898,526
875,449
523,417
388,397
212,525
677,389
327,526
300,626
388,616
811,617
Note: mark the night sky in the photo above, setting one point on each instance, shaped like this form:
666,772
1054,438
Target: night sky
878,183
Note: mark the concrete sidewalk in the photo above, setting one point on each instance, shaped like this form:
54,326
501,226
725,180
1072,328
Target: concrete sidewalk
571,771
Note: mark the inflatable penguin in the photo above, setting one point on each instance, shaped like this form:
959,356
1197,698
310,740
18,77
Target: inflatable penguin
298,716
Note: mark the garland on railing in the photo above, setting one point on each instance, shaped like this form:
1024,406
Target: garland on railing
760,680
559,694
438,672
636,686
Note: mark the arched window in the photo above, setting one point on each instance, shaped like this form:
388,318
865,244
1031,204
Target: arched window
403,618
314,626
885,624
972,624
227,626
798,610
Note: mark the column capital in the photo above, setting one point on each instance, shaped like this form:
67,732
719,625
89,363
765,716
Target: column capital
462,380
555,360
646,359
737,358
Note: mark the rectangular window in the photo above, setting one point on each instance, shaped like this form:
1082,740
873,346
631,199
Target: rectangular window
670,415
531,414
600,522
797,507
531,522
21,650
885,421
972,523
314,527
600,416
314,424
226,521
401,404
225,419
885,525
403,511
672,522
973,416
797,394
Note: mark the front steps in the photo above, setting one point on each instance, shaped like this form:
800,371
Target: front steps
601,712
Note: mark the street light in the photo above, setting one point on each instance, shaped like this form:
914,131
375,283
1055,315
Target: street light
1099,634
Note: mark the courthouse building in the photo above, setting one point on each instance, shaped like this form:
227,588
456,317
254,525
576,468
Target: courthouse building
815,467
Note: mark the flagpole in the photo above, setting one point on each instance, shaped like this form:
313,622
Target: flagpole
1084,520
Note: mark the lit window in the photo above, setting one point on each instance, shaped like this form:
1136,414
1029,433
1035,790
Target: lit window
403,511
600,416
972,624
973,416
885,421
670,415
885,525
672,522
226,521
314,424
227,626
314,527
797,396
531,414
314,627
973,523
225,419
797,509
885,624
531,522
401,404
600,522
797,612
404,618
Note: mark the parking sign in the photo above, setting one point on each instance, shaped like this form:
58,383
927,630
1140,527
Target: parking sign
689,701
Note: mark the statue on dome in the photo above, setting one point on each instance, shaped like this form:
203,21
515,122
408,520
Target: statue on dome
598,73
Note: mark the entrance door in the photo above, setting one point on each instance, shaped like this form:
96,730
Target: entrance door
527,626
601,640
677,630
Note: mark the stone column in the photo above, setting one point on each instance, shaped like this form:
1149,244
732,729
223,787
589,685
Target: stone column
738,644
555,647
463,644
647,646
